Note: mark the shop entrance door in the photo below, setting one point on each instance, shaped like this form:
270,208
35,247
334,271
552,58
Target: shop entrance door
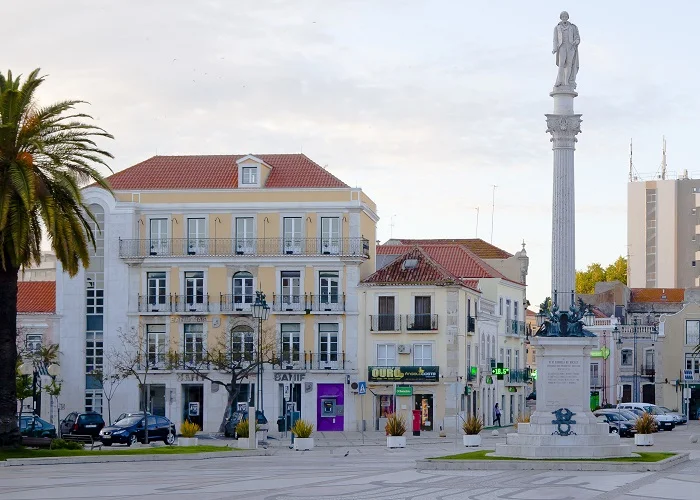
424,403
193,403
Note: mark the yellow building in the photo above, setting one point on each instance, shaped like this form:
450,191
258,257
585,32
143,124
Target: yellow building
187,242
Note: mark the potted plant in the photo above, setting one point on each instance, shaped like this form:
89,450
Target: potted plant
243,434
188,430
472,427
395,429
302,435
645,425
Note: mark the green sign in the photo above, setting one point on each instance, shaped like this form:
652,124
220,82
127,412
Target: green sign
489,379
403,373
603,352
467,390
499,371
512,389
404,390
533,374
473,371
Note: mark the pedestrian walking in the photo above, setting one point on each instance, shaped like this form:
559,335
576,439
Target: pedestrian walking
497,414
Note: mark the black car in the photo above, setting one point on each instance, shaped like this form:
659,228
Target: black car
618,424
130,430
87,423
42,428
233,420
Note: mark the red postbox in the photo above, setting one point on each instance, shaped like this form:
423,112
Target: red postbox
416,422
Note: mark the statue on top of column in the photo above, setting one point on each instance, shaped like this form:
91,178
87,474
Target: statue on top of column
566,40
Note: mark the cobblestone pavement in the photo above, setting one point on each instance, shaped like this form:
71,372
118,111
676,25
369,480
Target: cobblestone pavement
347,473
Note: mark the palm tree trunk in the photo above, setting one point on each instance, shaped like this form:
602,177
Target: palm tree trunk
9,432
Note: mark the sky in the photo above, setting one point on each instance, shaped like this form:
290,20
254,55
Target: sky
424,104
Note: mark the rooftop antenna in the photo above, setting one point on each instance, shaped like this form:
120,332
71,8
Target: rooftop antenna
663,159
391,227
477,222
493,208
631,167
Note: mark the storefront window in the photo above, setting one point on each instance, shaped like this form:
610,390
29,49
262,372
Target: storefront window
386,405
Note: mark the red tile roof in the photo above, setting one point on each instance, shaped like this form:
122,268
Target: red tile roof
658,294
36,297
426,272
479,247
221,172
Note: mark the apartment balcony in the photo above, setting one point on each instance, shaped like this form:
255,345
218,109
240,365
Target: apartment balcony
648,370
324,360
192,304
332,303
155,304
185,361
596,382
289,303
422,322
471,324
519,376
385,323
232,247
515,327
290,361
236,304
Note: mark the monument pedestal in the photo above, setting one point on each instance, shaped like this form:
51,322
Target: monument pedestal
563,425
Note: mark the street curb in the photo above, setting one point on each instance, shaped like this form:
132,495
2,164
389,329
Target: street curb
89,459
534,464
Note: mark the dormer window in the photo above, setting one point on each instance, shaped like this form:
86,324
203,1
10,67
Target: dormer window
250,175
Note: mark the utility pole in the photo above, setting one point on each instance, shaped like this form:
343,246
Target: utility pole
493,208
476,235
391,227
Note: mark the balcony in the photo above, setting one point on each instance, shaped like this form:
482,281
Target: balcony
324,360
289,303
515,327
648,370
192,304
290,361
232,247
596,382
326,303
235,303
385,323
155,304
518,376
471,324
422,322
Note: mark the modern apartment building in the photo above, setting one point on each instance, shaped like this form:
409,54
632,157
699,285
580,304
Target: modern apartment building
663,233
185,243
438,310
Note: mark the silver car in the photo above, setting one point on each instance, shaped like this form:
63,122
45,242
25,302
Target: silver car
678,418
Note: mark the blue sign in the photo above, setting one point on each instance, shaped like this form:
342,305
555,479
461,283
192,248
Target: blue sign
362,387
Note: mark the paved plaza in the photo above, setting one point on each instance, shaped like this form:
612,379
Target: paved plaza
367,472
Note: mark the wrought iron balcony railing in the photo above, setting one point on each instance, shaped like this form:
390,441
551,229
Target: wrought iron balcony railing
518,376
240,304
595,382
422,322
293,360
155,303
232,247
324,360
648,370
515,327
326,303
289,303
194,304
385,323
471,324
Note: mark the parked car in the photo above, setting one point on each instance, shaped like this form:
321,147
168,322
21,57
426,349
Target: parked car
42,428
618,424
131,430
236,416
130,414
680,418
663,421
87,423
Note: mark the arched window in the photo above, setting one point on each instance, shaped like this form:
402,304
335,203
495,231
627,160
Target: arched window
242,343
243,290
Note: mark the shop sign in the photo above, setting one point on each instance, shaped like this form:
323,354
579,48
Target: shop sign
512,389
489,379
404,390
403,373
188,319
289,377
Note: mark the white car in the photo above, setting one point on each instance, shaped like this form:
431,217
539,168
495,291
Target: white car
679,418
663,420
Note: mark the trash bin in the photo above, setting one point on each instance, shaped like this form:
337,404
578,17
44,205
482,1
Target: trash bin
280,424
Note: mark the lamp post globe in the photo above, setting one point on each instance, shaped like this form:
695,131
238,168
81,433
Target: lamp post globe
26,368
54,370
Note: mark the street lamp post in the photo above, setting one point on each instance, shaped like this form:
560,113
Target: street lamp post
653,336
30,368
261,311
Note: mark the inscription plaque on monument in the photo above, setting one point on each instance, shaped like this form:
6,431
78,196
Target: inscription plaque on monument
563,378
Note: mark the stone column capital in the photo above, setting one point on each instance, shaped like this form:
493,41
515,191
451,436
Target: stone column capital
563,129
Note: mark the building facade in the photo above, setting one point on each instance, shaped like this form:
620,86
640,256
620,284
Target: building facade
185,243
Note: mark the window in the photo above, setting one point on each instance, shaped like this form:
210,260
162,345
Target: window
423,354
156,345
33,342
196,236
93,401
386,354
508,313
94,351
328,344
422,317
493,348
291,342
508,356
292,235
386,319
194,290
626,357
291,287
242,344
469,356
245,235
484,347
500,355
692,332
595,374
194,343
328,287
158,236
476,353
330,235
516,313
692,362
156,291
500,306
648,361
250,175
517,359
243,295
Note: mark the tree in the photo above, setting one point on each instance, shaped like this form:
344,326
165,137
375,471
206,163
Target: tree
109,383
586,280
24,389
132,361
46,154
235,355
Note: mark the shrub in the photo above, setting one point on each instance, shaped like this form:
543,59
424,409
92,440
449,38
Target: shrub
189,429
395,425
60,444
472,426
646,424
242,429
522,420
302,429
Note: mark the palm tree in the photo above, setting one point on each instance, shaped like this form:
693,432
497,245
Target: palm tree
47,153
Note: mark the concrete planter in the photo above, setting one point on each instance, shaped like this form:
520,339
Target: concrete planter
243,443
644,439
186,441
471,440
303,444
396,441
